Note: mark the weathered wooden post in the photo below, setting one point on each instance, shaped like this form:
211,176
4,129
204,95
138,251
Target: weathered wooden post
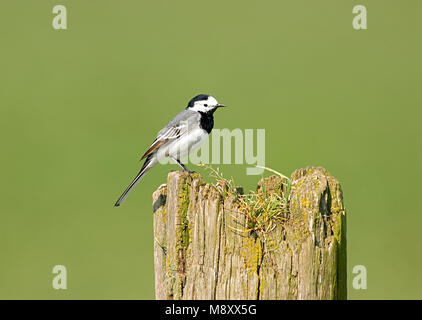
204,247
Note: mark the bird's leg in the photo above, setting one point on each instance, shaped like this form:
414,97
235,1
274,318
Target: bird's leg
181,165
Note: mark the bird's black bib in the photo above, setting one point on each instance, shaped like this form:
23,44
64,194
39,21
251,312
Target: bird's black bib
207,121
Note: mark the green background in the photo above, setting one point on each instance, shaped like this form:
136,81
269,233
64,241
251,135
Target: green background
80,106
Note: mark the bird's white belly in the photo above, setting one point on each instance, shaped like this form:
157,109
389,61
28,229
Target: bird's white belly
185,145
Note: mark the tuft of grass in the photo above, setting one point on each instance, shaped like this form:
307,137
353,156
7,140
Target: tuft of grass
263,210
162,246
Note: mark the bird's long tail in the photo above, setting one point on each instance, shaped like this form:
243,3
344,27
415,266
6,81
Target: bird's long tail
148,164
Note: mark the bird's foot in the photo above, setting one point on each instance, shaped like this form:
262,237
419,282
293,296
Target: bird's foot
185,169
188,171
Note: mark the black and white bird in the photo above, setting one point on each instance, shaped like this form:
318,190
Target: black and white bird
179,137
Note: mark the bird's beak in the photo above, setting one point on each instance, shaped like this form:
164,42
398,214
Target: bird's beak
220,105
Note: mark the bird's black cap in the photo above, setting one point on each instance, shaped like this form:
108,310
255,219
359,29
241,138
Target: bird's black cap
199,97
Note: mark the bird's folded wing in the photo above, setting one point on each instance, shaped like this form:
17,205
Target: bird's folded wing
165,135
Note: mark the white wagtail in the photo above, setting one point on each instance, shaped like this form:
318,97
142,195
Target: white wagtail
179,137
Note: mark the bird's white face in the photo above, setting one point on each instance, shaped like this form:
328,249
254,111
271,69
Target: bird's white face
206,105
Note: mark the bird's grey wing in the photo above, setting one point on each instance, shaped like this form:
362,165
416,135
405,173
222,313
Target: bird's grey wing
180,125
163,137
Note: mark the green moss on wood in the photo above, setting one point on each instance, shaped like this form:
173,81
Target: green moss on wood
183,205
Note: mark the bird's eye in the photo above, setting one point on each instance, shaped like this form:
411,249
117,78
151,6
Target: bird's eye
205,105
